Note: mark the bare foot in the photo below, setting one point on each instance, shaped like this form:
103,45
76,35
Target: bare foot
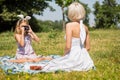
48,58
10,60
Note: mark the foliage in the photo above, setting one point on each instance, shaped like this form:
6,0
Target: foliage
107,14
64,3
104,52
48,26
57,25
9,9
34,23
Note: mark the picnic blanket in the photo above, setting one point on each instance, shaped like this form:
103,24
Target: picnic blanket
13,68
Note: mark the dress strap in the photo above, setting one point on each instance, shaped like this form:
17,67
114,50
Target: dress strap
82,32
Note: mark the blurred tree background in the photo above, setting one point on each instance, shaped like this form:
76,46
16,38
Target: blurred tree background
107,14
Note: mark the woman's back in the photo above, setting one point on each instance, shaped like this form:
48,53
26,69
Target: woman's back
76,33
75,27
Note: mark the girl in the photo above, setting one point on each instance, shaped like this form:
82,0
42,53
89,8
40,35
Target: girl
23,36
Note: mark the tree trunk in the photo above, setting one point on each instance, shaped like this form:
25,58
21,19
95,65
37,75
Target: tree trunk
63,18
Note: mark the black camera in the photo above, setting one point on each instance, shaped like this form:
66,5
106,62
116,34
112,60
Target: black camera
26,28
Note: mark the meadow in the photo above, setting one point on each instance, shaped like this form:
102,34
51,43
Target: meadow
105,52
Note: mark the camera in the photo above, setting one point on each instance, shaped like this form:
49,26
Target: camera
26,28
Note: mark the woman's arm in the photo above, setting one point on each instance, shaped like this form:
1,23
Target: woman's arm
87,41
68,39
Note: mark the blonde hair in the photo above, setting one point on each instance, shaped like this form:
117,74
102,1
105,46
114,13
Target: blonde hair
17,30
76,12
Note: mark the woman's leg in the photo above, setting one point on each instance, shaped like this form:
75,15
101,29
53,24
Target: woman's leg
42,58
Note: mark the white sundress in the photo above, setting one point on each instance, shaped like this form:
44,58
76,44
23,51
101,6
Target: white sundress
78,59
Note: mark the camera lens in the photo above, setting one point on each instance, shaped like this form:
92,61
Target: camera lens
26,28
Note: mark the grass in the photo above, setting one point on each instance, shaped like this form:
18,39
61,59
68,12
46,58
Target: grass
105,52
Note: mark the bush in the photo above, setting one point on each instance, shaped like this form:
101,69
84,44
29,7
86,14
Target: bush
46,26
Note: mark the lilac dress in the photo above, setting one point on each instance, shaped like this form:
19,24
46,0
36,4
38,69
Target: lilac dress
26,51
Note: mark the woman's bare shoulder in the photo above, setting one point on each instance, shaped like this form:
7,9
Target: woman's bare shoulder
68,24
71,24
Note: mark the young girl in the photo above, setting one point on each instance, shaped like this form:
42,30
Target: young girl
23,36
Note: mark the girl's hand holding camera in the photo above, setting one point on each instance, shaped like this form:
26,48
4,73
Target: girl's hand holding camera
22,30
32,34
30,30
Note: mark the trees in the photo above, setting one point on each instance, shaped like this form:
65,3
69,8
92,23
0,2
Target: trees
108,14
9,9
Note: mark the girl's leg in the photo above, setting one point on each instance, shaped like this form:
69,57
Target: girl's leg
22,60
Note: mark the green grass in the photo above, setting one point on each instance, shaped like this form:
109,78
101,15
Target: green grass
105,52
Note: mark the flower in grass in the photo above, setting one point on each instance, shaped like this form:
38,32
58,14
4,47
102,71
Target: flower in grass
27,76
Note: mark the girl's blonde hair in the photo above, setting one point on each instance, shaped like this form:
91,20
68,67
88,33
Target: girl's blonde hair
76,12
17,28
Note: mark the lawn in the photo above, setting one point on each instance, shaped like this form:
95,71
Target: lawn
105,52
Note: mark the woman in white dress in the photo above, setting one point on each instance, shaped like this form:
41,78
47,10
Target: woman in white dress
76,57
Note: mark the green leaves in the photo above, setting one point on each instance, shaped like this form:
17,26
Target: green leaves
107,14
64,3
9,9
